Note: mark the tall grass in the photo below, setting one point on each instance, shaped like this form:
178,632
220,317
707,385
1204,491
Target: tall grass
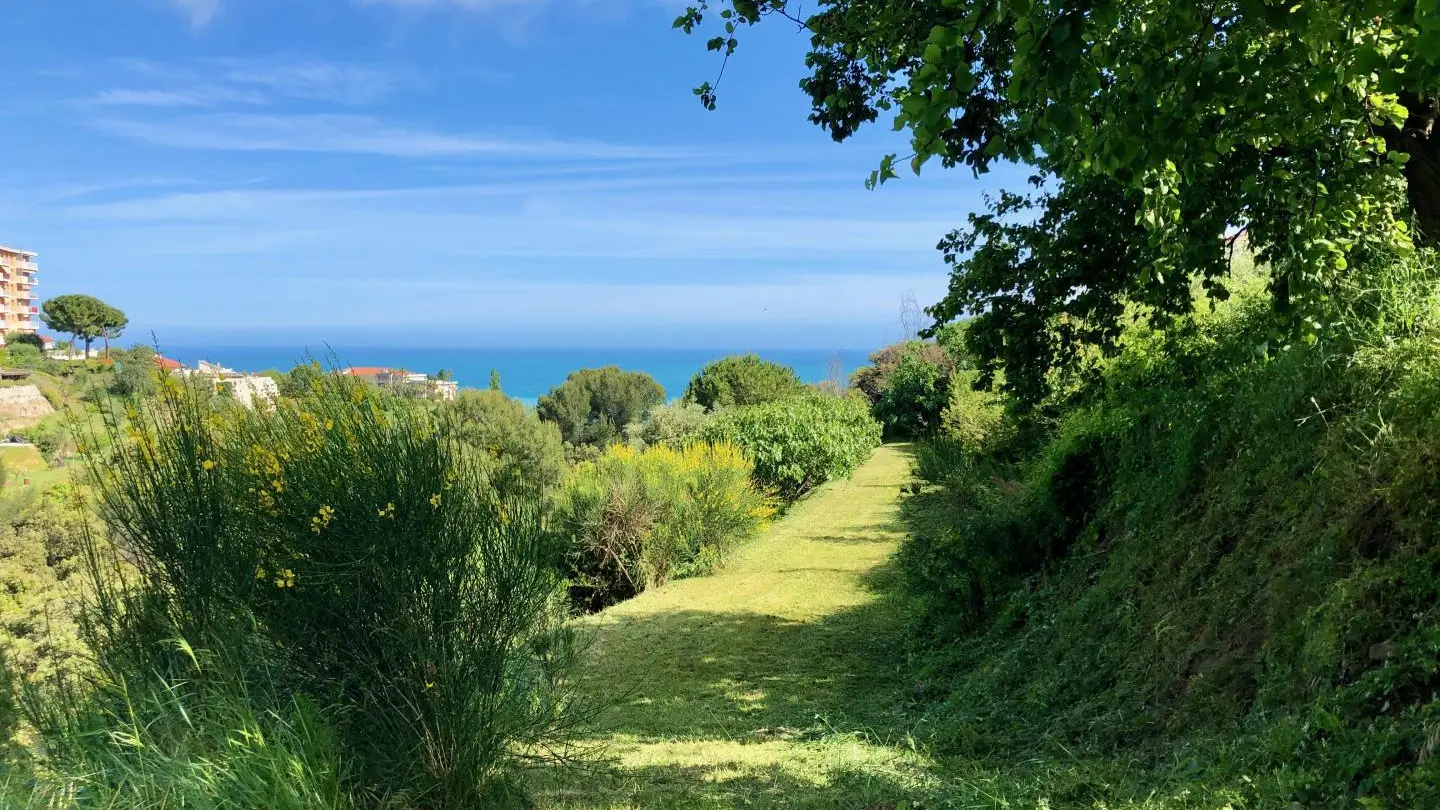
332,587
1221,552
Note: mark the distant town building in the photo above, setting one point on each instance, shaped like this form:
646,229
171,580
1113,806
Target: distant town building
247,389
19,309
445,390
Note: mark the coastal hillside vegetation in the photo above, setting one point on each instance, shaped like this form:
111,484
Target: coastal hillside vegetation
201,612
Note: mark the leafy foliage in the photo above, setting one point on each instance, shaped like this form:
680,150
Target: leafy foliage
743,379
83,316
872,380
638,519
135,372
1153,128
594,405
913,396
673,426
799,443
42,545
24,339
300,380
524,454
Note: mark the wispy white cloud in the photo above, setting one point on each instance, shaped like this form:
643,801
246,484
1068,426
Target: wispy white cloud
312,79
357,134
253,81
200,12
147,98
474,5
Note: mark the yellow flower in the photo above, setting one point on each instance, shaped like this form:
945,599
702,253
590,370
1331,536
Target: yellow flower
260,572
207,465
329,424
285,579
435,500
388,511
322,519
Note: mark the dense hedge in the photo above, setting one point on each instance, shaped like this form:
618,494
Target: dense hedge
799,443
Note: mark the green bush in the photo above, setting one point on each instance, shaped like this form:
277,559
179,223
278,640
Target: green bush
672,426
24,355
341,549
800,443
975,420
300,380
136,374
593,405
913,396
525,455
743,379
49,436
872,380
636,519
42,550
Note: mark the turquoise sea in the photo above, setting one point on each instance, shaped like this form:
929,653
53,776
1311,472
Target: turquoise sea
524,373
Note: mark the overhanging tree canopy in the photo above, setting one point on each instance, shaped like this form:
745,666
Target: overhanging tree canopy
1157,127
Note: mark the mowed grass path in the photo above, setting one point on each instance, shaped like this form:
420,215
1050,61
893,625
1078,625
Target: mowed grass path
777,682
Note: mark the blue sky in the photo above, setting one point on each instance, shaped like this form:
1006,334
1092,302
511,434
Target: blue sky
484,172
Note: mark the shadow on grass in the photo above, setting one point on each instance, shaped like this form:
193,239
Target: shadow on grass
705,675
727,784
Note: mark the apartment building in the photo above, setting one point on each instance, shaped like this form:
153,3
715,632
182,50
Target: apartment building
19,308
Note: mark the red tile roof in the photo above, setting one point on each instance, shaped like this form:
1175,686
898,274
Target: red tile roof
366,371
167,364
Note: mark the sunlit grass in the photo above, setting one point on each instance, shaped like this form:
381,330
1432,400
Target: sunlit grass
783,681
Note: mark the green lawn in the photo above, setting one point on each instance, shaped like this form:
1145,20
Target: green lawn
781,682
774,683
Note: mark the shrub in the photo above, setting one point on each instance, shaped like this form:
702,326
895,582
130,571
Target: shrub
742,380
872,380
525,455
24,355
136,374
975,420
799,443
24,339
342,549
42,539
49,436
671,426
638,519
594,405
300,380
913,396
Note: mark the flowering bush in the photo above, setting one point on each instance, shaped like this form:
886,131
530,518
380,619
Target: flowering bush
636,519
339,550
